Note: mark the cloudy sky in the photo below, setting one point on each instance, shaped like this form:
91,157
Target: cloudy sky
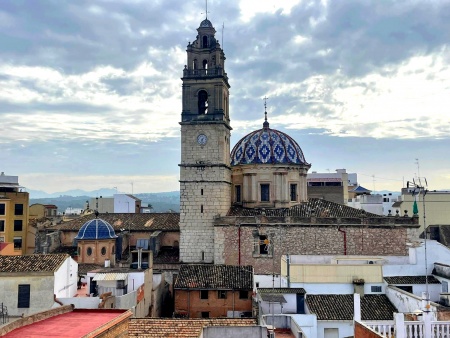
90,92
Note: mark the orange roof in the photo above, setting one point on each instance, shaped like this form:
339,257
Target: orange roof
74,324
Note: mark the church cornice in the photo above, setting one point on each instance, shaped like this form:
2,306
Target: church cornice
204,165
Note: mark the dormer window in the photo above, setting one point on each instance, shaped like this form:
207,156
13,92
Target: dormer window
205,41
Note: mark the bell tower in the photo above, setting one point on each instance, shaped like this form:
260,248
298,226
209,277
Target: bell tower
205,172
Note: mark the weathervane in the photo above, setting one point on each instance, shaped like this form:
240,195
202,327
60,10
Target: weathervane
206,12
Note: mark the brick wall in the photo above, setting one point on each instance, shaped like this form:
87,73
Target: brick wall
189,302
307,239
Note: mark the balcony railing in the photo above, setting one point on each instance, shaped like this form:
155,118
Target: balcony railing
217,71
411,329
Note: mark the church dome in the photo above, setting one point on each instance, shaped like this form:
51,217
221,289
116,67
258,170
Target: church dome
267,146
206,23
96,229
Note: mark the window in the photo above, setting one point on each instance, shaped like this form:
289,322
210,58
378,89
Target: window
221,294
257,284
2,225
444,286
2,209
103,251
243,294
375,288
113,250
293,192
201,208
17,243
2,239
17,225
89,251
203,294
18,209
263,245
237,192
201,192
205,314
121,284
23,297
205,41
265,192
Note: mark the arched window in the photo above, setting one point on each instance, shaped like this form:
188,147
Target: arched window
202,102
205,41
205,64
103,251
194,64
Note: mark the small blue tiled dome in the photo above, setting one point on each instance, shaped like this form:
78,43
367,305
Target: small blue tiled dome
96,229
267,146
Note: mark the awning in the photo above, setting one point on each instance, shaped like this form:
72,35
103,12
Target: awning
273,298
110,276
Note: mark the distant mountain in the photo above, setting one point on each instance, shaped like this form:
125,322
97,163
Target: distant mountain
160,202
77,192
387,192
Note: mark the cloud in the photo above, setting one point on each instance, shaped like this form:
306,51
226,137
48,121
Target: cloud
105,75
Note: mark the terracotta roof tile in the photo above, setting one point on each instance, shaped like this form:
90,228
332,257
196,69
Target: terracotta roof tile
411,280
340,307
169,221
314,207
32,263
185,328
202,276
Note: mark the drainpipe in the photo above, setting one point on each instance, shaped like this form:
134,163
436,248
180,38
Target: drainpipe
288,268
345,239
239,245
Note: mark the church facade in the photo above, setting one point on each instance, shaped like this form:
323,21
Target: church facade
250,206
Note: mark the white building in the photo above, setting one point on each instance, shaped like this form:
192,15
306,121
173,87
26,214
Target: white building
28,283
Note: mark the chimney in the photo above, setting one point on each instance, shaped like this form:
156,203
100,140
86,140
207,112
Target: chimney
139,258
357,307
358,285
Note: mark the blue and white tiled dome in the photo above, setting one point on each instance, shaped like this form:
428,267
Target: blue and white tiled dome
267,146
96,229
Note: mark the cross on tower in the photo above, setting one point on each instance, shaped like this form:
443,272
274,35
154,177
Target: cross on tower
206,11
266,124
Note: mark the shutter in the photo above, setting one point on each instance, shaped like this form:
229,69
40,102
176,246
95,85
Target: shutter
23,299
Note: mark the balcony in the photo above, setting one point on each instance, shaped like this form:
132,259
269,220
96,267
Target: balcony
202,73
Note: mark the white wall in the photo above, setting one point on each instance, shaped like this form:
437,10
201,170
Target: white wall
308,324
345,328
267,281
66,278
81,302
436,253
124,204
135,280
407,303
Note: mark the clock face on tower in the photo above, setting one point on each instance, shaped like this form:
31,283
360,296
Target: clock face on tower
201,139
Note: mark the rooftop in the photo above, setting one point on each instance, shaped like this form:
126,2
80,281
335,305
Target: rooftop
135,222
314,207
225,277
282,290
67,325
411,280
186,328
32,263
340,307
